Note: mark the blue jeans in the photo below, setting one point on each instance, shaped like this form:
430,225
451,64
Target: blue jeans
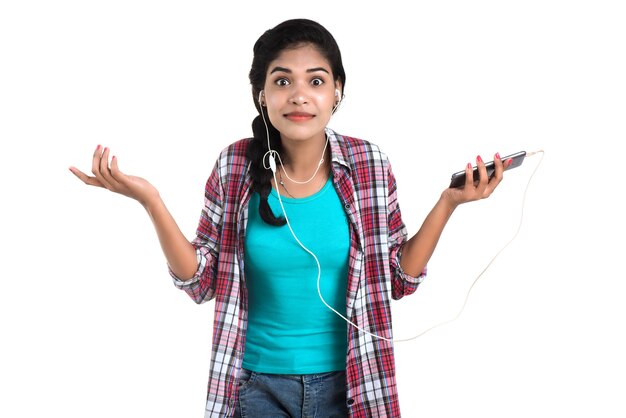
321,395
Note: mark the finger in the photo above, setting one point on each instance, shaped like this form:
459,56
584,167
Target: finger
469,177
117,176
499,170
499,166
95,166
95,161
483,177
91,181
500,175
104,175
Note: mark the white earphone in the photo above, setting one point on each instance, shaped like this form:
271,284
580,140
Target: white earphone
271,155
338,102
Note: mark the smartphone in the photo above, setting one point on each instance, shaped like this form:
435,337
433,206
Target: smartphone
458,178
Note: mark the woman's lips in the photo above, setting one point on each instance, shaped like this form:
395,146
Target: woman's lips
299,116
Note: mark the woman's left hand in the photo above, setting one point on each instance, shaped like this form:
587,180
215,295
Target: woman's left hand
482,188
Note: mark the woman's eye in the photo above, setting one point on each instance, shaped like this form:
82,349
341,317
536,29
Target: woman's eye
282,82
317,81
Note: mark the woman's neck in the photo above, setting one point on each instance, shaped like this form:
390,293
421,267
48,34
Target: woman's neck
302,158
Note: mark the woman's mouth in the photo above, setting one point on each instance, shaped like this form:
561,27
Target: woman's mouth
299,116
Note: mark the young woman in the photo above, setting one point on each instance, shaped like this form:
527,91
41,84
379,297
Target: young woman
301,244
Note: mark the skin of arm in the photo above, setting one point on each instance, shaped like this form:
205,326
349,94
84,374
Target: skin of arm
178,251
419,248
180,254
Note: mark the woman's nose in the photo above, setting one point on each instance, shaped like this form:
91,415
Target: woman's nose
299,96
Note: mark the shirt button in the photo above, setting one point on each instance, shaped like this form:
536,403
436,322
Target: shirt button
347,206
350,402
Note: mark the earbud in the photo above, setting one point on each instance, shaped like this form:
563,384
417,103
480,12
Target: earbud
338,100
261,94
338,96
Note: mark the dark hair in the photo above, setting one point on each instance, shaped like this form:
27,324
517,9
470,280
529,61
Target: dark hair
288,34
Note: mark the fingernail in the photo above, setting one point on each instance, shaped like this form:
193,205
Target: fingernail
469,165
497,155
98,147
479,159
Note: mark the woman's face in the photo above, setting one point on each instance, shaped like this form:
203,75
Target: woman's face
300,93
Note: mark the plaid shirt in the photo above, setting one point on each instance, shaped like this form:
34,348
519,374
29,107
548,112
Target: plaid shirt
365,184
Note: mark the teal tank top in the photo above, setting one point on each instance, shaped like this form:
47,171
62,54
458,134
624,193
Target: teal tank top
290,330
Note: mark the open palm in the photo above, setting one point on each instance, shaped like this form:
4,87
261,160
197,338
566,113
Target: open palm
108,175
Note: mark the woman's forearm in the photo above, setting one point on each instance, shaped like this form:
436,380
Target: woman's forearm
418,250
180,254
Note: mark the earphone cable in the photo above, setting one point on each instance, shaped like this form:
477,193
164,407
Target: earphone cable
272,165
519,227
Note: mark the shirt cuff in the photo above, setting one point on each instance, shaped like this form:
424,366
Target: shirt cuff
405,276
186,283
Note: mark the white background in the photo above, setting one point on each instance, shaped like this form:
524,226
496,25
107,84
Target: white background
91,324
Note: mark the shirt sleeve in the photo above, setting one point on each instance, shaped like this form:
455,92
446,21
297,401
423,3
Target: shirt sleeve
402,284
201,287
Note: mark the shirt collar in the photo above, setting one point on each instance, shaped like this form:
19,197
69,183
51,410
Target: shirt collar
338,151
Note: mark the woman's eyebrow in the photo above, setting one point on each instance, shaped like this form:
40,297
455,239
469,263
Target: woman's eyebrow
288,71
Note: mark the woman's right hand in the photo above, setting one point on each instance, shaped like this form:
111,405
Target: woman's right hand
109,176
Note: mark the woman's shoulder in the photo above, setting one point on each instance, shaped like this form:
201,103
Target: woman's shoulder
232,159
234,153
356,149
236,149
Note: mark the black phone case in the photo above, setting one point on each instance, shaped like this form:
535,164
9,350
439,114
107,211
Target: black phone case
458,178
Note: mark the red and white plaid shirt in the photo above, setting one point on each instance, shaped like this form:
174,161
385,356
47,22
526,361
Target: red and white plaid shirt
365,184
